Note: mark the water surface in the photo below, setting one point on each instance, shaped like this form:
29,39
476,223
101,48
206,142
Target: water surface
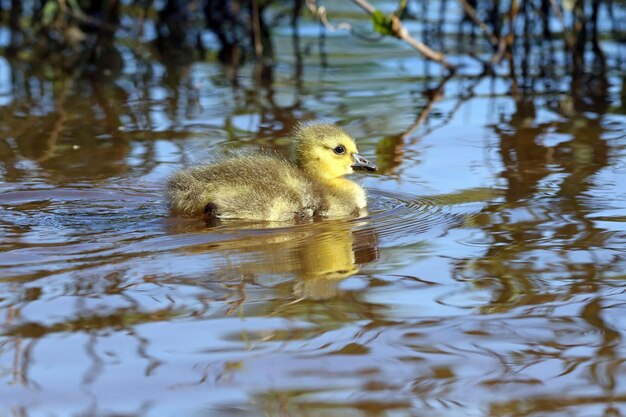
487,280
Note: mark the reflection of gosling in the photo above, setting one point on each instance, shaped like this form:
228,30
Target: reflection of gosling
268,187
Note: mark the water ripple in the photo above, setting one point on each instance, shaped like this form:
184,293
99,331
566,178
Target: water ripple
398,216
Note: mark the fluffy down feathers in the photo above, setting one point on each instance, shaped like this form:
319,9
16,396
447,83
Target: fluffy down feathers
265,186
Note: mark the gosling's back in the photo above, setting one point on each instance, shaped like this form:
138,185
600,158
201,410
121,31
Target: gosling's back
249,186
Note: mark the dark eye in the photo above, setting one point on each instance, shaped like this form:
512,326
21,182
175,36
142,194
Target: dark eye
340,150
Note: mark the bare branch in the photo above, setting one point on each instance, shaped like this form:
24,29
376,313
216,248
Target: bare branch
320,13
556,8
507,41
400,32
365,6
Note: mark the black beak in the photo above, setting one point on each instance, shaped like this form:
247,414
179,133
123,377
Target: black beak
363,164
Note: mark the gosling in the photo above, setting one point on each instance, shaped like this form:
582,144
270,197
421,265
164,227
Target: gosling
266,186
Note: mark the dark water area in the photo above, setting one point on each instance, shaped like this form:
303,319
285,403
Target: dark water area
488,279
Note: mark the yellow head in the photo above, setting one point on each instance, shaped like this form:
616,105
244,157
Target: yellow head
326,152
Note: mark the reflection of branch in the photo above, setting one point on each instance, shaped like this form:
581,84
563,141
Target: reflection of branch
469,94
97,363
398,142
236,304
57,127
281,307
22,356
434,96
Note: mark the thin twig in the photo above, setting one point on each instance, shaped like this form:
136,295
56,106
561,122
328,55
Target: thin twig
100,24
471,13
400,32
365,6
320,13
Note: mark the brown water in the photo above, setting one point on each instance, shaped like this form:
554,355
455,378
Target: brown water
488,279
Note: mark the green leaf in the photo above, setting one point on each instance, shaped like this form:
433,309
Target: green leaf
382,23
49,12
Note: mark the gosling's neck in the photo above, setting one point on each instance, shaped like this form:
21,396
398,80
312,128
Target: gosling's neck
322,176
341,188
327,175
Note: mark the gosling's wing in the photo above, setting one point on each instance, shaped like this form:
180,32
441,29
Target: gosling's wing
252,186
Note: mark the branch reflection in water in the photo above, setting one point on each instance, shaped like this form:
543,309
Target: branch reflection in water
488,279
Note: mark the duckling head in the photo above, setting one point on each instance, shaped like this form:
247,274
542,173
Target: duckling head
326,152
